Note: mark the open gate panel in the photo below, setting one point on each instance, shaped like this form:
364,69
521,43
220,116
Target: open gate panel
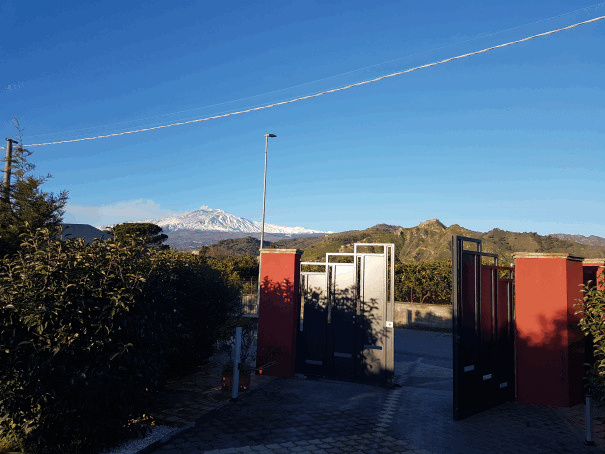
483,323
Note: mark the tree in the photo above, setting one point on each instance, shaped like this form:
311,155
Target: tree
150,233
592,309
27,207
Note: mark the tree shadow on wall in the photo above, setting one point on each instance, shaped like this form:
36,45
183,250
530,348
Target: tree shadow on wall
278,319
342,336
550,358
311,335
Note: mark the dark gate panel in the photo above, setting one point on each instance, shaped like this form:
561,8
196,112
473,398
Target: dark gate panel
311,340
482,296
346,326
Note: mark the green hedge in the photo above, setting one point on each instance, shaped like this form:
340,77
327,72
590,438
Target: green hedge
592,323
88,331
424,282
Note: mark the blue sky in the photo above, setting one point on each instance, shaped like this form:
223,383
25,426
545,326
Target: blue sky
512,138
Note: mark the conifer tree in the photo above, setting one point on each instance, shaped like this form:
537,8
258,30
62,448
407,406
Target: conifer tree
27,206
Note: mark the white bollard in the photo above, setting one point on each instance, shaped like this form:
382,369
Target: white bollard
236,355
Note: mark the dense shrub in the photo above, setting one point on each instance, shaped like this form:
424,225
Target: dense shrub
592,323
241,271
87,331
200,301
424,282
236,268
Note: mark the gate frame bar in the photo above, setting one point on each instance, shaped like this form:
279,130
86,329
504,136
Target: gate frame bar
457,252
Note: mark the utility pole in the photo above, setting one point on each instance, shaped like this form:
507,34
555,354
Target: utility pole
7,169
262,228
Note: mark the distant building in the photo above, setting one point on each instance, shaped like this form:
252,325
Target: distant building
86,231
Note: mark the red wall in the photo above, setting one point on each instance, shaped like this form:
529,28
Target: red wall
279,310
549,346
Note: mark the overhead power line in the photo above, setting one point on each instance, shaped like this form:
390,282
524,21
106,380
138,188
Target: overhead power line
326,92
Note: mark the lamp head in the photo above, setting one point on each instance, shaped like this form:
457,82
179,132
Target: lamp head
270,135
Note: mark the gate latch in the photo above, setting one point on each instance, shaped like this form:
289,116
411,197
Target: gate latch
389,324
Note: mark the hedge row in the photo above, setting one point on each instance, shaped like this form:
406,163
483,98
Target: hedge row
421,282
87,331
424,282
592,309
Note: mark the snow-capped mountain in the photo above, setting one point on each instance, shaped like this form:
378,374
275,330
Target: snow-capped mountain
208,219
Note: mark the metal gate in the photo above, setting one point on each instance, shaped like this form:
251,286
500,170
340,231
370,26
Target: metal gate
483,329
346,328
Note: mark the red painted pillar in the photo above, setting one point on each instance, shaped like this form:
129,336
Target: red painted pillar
549,345
279,310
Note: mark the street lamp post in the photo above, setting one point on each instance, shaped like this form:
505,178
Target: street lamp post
262,226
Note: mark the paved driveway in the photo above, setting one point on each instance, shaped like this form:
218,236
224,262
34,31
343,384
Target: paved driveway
305,415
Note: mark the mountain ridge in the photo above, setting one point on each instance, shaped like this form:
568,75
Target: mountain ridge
204,226
430,240
219,232
209,219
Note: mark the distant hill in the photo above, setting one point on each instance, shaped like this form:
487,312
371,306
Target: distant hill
428,241
195,239
591,240
234,246
86,231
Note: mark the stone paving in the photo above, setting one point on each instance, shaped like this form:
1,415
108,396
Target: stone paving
186,399
322,416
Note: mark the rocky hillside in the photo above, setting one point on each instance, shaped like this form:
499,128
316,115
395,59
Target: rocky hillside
428,241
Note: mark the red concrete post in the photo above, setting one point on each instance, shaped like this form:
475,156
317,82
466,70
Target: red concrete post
279,310
549,346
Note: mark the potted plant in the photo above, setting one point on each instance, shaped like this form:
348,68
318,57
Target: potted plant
245,373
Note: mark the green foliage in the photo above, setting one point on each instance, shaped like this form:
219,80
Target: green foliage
72,343
201,300
150,234
424,282
233,247
592,323
237,270
27,206
88,331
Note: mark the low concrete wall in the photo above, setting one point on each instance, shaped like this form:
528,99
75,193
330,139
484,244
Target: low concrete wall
410,315
416,315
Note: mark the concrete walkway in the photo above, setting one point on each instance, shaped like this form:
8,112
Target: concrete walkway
323,416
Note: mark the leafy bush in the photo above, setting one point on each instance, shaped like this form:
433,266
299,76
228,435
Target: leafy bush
236,268
88,331
424,282
592,308
200,301
241,271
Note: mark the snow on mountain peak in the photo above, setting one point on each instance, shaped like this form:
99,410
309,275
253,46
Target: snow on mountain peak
205,218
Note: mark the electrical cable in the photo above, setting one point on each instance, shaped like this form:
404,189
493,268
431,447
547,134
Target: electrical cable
323,79
322,93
